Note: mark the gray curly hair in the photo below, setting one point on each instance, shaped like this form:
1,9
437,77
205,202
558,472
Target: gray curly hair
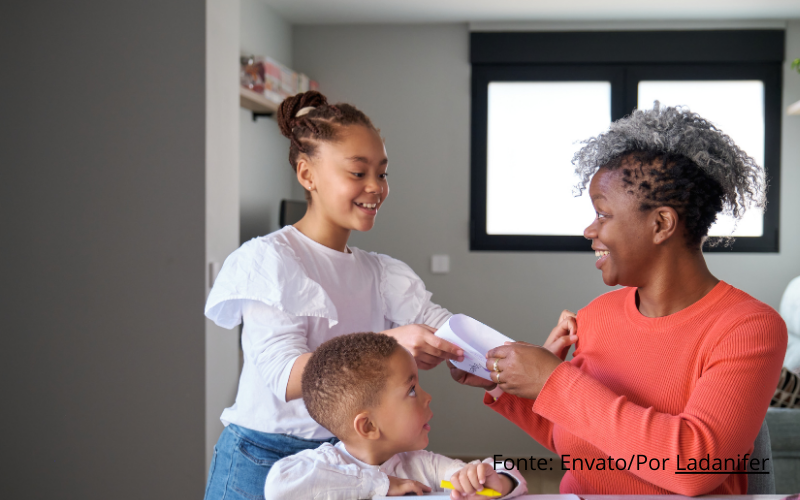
677,132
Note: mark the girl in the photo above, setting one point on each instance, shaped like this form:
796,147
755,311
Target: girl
302,285
677,366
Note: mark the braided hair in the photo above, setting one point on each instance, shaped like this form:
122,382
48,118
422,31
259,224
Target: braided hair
670,156
322,123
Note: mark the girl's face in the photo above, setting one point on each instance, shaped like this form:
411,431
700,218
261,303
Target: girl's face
348,178
620,231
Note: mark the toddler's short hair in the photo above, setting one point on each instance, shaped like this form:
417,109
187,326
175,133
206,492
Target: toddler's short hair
346,375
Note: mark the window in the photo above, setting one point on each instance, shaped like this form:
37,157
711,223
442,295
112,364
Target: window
524,150
537,95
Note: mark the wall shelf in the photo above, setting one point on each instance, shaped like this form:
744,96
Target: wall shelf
793,109
257,103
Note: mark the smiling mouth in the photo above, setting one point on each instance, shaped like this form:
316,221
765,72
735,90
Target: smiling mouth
602,257
601,253
368,206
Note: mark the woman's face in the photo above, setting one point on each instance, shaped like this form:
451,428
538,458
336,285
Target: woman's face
349,178
620,231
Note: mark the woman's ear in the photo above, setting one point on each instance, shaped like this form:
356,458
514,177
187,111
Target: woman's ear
365,427
665,224
305,174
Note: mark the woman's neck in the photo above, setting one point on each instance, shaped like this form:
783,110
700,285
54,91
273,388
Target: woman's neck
323,231
677,282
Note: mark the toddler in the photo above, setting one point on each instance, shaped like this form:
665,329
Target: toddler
364,389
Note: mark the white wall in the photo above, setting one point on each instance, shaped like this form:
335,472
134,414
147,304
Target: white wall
248,172
265,174
222,199
414,82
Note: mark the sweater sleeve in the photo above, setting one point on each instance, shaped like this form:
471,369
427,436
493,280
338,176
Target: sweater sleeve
738,378
520,412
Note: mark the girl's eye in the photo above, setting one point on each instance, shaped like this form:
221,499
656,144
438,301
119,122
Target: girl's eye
601,216
358,174
413,391
383,176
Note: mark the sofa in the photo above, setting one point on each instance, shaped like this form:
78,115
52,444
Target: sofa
784,432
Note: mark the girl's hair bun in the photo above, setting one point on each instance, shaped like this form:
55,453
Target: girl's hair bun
318,122
287,112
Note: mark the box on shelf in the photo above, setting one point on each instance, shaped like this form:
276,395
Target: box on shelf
251,75
272,79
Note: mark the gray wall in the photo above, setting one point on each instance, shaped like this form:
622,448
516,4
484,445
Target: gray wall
102,215
265,174
414,82
247,170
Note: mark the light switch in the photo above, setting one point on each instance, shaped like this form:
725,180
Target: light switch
440,264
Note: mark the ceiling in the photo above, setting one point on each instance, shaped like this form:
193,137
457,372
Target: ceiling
429,11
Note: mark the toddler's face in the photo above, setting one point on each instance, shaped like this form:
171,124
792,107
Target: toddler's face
404,410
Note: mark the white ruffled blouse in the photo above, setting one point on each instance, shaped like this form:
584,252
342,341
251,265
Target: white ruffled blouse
292,294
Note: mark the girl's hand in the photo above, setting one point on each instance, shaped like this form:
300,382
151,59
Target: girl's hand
523,367
475,477
467,378
399,487
428,349
563,335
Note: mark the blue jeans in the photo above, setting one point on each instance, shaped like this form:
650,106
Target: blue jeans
243,458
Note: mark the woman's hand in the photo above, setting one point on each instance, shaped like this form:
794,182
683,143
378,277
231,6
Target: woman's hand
563,335
399,487
523,368
428,349
466,378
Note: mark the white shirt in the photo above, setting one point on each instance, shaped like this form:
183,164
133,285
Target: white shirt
293,294
331,473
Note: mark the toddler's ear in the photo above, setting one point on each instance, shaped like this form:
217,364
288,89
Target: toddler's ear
365,427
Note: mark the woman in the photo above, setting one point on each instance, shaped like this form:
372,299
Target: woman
676,367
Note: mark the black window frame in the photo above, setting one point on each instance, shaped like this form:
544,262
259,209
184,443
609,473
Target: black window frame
624,59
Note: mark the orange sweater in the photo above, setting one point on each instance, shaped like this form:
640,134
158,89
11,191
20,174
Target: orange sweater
694,384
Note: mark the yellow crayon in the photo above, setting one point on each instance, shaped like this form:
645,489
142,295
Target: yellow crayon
487,492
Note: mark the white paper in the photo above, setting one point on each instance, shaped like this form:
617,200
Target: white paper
475,338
